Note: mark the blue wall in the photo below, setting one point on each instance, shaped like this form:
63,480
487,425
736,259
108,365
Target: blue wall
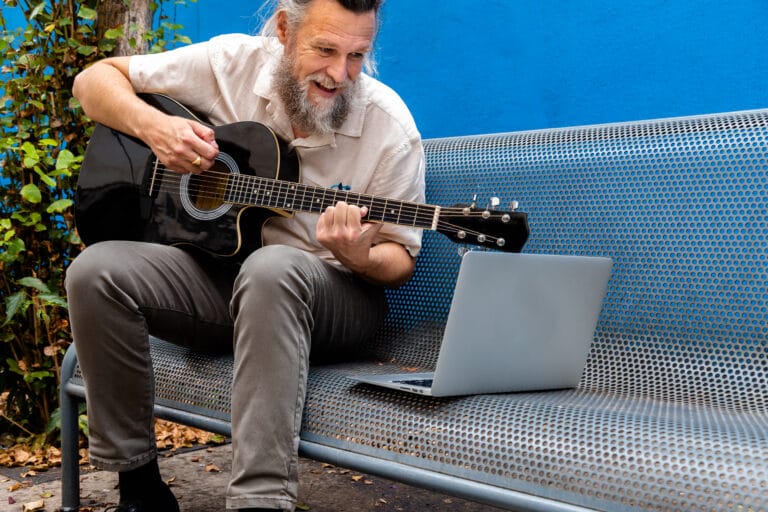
468,66
478,66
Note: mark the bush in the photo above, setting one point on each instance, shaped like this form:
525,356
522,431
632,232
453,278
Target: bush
44,134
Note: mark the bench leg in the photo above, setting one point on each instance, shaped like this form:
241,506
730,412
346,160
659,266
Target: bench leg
70,469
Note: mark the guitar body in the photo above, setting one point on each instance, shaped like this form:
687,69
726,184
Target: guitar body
123,193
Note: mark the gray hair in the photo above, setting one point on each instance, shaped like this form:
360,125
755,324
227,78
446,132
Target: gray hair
296,11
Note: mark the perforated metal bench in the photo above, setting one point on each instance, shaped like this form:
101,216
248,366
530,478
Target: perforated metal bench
671,413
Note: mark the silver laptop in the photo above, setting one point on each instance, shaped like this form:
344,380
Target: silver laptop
518,322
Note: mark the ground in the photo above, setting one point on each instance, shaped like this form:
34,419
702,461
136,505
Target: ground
199,476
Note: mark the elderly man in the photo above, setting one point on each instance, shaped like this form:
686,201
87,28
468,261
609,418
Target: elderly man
314,288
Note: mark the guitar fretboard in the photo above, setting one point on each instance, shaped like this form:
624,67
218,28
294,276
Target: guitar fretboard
270,193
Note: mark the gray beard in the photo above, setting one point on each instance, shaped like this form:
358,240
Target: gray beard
305,115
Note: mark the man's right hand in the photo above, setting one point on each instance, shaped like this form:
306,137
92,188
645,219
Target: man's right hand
182,145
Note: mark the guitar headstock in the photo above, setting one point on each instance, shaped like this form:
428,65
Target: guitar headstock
487,227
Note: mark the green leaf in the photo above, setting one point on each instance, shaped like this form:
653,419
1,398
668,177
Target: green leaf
59,206
37,10
86,50
12,250
34,282
46,179
31,193
54,423
114,33
66,159
51,299
29,149
38,375
13,365
14,304
87,13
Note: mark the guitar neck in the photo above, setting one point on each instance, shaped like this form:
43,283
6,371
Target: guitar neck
270,193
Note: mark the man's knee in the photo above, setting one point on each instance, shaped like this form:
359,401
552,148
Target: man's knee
274,271
277,262
87,268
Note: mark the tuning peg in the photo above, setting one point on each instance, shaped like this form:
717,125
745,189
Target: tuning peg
514,205
474,201
495,202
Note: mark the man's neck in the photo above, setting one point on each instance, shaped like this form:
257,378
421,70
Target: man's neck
298,133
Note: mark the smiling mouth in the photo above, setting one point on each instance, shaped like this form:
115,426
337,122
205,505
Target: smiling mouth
329,90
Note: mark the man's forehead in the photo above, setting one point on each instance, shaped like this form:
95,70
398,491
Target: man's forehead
330,17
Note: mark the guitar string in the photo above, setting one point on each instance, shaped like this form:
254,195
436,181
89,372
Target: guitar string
426,217
213,192
285,188
442,225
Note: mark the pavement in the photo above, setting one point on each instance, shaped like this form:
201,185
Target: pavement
198,478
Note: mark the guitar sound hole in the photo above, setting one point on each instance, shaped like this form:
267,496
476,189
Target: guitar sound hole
206,191
207,196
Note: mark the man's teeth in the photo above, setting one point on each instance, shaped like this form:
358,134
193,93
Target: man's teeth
321,86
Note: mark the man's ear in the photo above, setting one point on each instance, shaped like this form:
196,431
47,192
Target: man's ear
282,27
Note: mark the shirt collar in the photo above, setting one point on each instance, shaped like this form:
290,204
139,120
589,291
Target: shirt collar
352,127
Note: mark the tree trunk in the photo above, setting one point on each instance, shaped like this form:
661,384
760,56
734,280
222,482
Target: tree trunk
135,18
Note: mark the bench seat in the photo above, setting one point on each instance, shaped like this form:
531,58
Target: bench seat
672,410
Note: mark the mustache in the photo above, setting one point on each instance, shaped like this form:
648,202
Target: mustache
327,82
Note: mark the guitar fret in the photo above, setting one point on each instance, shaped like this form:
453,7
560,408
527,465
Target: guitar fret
271,193
271,196
238,195
407,217
242,187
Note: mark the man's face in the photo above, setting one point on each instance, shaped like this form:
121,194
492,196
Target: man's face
323,57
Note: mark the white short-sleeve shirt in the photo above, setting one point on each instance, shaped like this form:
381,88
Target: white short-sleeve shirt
376,151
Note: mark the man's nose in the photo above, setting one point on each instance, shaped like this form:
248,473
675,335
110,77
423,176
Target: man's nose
339,69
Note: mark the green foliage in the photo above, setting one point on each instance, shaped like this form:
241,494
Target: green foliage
43,139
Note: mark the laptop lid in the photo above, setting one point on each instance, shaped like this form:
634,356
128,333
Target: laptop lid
520,322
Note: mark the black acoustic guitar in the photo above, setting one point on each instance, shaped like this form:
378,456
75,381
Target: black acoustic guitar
125,193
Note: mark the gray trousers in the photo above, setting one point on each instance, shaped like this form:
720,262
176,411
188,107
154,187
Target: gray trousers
272,311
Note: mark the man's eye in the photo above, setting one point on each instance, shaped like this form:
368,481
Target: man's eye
357,56
325,51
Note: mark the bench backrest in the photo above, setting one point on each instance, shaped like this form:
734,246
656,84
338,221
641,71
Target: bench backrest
679,204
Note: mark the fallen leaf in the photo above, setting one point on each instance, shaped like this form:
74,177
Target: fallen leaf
212,468
302,506
46,495
32,506
357,478
21,455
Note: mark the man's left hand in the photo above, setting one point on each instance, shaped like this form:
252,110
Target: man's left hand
342,231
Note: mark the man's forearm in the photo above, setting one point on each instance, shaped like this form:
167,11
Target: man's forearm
390,265
107,97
